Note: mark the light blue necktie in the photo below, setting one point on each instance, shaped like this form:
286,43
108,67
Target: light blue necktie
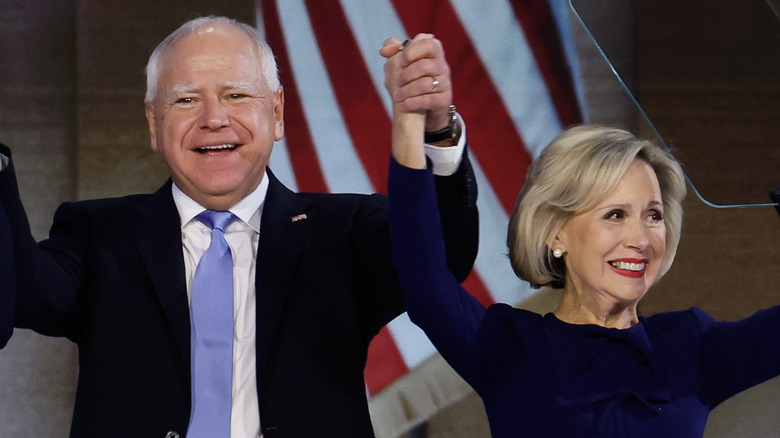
211,324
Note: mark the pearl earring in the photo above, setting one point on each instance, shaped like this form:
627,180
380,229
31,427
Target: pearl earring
557,253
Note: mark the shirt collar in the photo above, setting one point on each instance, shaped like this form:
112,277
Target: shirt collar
247,209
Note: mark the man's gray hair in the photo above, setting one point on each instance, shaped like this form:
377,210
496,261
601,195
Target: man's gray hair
155,64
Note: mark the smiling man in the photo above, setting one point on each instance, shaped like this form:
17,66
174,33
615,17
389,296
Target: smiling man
214,115
312,277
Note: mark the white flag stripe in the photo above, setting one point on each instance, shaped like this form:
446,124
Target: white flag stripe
341,166
281,166
370,33
503,48
410,340
562,12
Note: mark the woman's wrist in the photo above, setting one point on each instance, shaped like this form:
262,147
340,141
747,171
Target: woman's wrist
408,132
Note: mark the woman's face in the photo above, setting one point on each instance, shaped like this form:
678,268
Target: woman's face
613,252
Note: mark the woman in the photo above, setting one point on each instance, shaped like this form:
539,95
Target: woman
600,217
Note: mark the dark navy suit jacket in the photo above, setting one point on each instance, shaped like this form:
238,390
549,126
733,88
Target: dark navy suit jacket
111,278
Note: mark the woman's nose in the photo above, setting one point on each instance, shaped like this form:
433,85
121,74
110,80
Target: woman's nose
637,235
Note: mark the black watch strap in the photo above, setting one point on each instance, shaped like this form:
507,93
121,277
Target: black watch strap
450,132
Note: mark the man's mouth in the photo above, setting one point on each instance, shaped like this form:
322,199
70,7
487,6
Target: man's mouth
217,148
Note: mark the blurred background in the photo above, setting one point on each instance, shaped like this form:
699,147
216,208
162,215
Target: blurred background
701,77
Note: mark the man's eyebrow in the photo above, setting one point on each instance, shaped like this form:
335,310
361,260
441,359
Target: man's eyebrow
183,89
242,85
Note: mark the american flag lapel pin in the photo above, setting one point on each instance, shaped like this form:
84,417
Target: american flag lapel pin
299,217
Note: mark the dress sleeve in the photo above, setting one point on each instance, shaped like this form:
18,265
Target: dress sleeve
456,196
7,279
434,298
741,354
457,199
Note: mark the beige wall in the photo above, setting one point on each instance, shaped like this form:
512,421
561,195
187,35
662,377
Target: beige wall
37,106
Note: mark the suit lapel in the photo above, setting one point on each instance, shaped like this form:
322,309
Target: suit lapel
284,237
157,233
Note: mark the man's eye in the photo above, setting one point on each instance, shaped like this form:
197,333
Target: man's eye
185,100
237,96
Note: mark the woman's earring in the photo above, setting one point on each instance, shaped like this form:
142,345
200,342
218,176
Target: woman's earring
557,253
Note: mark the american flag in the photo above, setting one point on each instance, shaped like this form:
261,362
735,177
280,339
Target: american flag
513,85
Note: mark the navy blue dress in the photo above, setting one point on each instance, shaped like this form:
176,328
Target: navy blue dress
541,377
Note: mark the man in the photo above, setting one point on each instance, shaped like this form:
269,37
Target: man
313,281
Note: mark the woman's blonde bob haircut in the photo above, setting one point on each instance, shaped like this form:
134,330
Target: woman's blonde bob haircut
572,174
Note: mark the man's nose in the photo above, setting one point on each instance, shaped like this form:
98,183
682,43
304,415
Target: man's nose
215,115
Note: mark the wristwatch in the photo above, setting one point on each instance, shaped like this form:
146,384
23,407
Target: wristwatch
450,132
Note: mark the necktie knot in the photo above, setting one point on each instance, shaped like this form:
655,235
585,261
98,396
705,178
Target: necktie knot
218,220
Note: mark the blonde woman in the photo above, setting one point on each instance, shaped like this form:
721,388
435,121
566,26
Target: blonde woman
600,217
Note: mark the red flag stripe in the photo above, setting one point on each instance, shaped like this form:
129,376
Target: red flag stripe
384,363
477,288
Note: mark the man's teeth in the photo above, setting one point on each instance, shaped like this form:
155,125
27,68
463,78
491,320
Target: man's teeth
628,266
218,147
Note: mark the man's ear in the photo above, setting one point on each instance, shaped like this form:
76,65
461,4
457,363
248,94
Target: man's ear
152,122
279,114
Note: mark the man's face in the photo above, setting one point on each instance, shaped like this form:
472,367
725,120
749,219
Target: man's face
214,118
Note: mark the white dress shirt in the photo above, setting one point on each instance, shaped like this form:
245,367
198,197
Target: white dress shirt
242,236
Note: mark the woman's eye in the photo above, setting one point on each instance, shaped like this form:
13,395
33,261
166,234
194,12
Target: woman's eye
657,216
615,214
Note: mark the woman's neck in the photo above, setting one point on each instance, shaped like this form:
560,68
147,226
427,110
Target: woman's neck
577,309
